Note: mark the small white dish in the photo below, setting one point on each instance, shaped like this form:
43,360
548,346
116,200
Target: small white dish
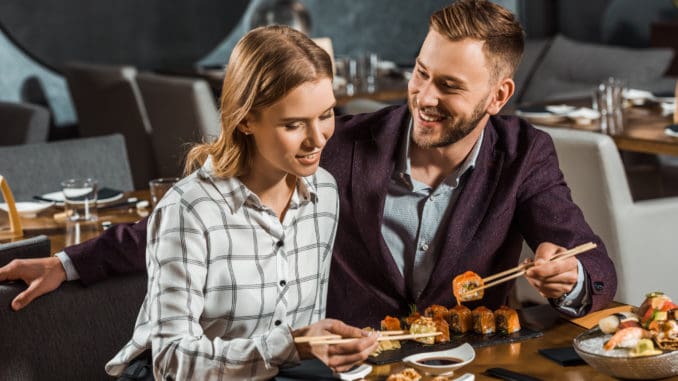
357,373
28,209
58,197
442,362
560,109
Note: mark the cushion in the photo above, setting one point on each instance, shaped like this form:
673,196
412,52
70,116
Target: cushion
572,69
35,247
532,57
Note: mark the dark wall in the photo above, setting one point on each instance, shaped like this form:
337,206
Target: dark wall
145,33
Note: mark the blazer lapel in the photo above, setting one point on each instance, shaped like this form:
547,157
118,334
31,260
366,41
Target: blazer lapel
372,168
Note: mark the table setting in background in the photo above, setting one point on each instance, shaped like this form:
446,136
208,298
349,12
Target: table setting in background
637,120
82,209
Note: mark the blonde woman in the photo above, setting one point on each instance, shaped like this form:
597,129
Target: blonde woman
238,252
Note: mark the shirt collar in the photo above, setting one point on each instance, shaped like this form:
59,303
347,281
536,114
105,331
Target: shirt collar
403,166
236,193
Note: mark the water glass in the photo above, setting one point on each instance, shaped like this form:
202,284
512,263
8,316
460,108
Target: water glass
80,199
608,100
369,67
80,203
158,188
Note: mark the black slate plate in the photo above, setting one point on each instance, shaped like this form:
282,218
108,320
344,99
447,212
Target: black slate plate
410,347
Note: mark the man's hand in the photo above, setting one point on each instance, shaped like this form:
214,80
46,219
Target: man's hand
552,280
339,357
42,275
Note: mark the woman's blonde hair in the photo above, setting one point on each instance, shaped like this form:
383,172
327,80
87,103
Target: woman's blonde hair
266,64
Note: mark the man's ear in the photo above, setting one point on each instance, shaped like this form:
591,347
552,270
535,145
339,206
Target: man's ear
502,93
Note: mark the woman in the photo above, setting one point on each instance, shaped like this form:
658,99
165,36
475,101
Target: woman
238,252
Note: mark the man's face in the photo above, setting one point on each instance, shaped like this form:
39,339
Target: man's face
449,92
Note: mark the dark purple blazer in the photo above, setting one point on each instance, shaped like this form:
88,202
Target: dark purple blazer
516,190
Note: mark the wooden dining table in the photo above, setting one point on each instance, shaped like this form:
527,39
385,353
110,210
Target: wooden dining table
643,127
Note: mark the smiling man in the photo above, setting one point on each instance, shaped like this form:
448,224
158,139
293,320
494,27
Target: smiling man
427,191
446,185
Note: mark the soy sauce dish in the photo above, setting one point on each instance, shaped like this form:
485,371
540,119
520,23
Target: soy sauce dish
442,362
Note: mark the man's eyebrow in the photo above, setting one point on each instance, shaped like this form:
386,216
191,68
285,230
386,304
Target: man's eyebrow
442,77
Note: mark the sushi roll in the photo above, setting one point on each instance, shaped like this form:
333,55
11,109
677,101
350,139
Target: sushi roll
463,286
390,323
506,320
460,319
483,320
424,325
436,311
444,328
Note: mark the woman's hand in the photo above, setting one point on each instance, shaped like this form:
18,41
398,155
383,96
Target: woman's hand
552,280
339,357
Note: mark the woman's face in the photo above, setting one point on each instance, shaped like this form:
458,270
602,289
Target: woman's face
290,135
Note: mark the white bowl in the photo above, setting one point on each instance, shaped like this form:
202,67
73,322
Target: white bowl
617,363
442,362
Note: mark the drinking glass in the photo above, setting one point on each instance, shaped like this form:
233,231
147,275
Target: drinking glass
158,188
80,203
608,100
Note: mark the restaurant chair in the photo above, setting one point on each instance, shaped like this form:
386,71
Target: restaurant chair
182,111
640,236
36,169
70,333
107,100
23,123
34,247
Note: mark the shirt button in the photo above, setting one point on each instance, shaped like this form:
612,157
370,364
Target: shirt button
277,322
424,246
279,243
598,286
283,283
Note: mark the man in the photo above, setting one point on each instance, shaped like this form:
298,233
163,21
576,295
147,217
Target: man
428,191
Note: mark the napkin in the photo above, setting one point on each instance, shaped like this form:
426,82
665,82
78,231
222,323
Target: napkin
668,108
591,320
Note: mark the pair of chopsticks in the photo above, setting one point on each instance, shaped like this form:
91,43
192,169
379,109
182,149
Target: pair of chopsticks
520,270
385,336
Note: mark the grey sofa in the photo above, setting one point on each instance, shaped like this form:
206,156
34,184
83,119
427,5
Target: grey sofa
69,334
561,68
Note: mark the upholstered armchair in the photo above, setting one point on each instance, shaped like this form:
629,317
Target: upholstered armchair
641,237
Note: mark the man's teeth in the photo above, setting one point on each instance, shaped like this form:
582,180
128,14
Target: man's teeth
431,118
310,156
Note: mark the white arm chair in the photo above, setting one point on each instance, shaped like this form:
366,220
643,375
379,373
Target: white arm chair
641,237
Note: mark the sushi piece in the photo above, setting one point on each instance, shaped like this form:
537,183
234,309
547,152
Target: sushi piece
506,320
444,328
463,286
424,325
483,320
436,311
390,323
460,319
613,323
627,338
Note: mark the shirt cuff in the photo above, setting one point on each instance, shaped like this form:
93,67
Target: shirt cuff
578,299
67,264
277,348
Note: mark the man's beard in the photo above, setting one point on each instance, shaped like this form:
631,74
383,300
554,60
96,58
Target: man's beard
454,129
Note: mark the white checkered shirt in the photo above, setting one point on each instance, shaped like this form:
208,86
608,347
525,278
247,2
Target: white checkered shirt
227,280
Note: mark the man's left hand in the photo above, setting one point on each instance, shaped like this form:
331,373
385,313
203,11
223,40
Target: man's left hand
555,279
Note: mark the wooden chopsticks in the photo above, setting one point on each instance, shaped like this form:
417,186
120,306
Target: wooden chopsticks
385,335
520,270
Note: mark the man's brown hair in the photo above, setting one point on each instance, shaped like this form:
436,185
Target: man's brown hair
496,26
